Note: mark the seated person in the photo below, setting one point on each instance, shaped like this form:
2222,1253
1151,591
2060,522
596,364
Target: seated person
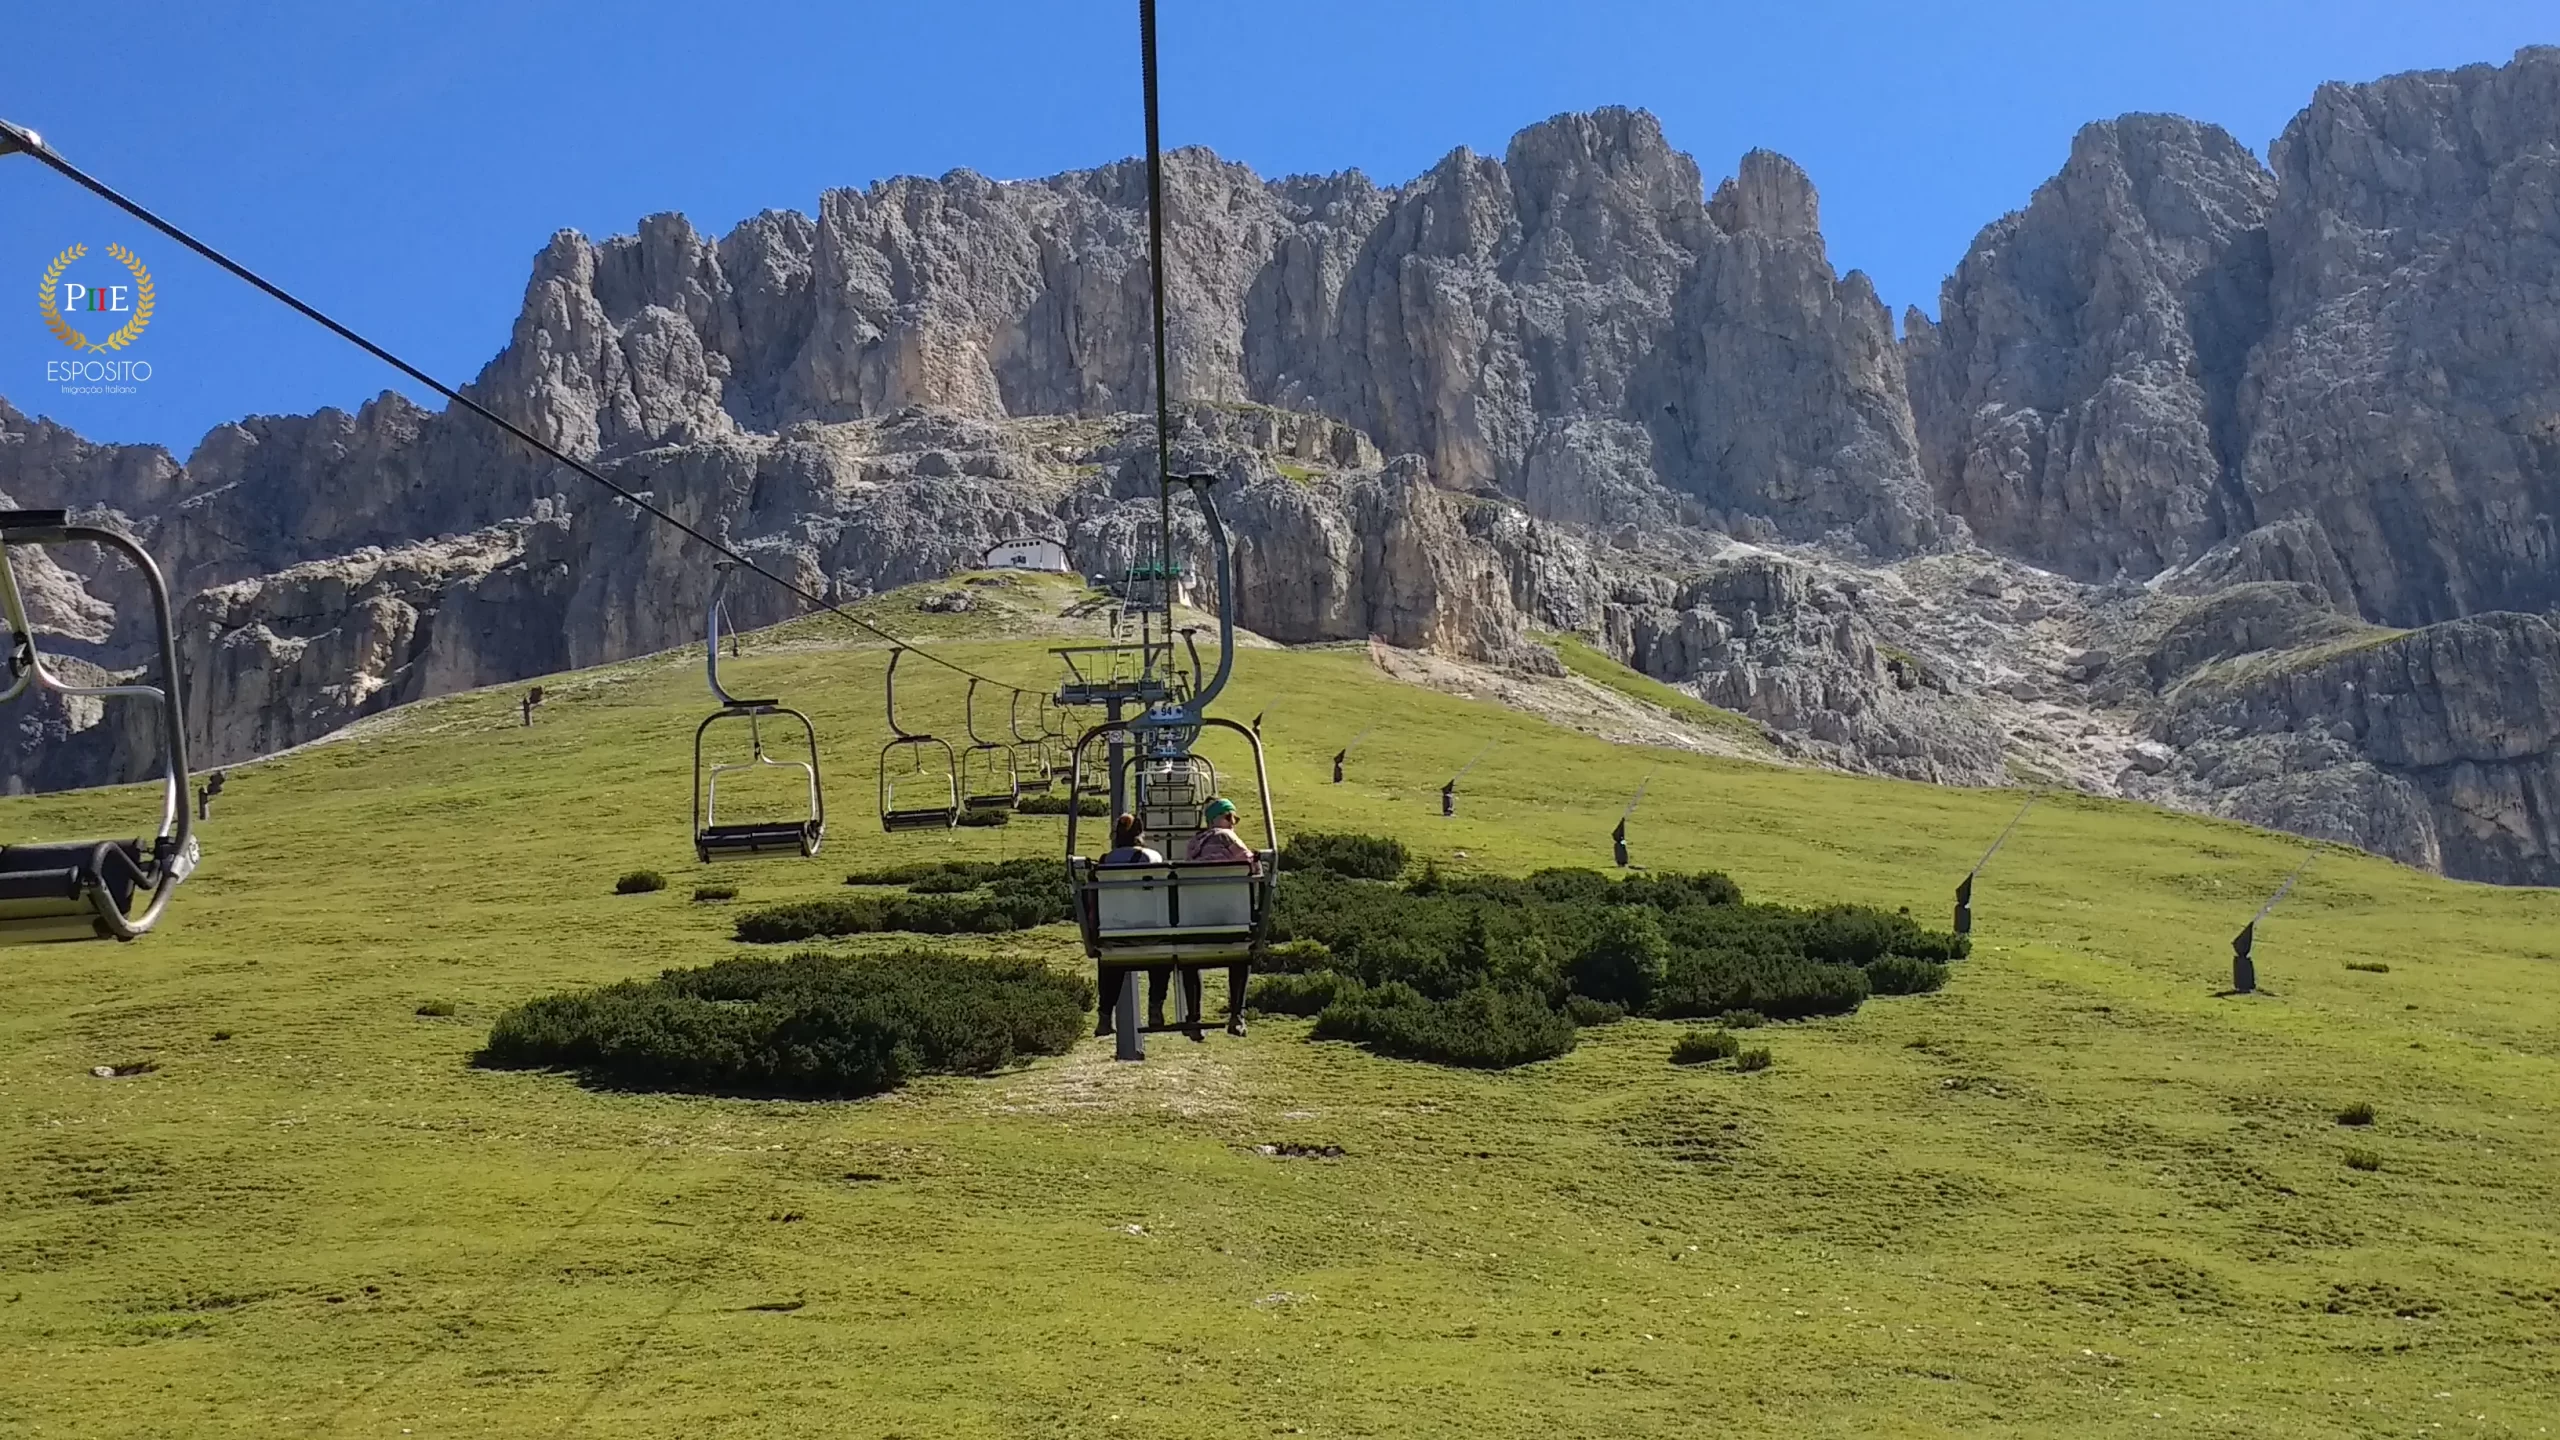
1219,843
1129,844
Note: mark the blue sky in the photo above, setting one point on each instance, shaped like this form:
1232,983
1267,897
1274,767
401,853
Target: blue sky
401,163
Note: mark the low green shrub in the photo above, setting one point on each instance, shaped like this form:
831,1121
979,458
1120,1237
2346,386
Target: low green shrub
1662,890
811,1025
1354,857
1624,962
1753,1059
1704,1047
2370,967
984,911
910,873
1288,994
2363,1160
2359,1113
945,876
1711,982
1483,1028
706,893
1903,975
1659,943
987,817
1296,957
436,1009
639,882
1585,1011
1742,1019
1086,806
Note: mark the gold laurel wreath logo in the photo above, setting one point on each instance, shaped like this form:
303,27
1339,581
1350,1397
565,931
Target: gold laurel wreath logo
134,327
64,331
53,320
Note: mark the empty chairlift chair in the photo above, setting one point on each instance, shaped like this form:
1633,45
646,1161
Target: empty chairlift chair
1031,770
716,839
924,765
1057,743
987,778
88,889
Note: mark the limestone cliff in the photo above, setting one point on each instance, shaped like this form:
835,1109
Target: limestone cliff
2171,346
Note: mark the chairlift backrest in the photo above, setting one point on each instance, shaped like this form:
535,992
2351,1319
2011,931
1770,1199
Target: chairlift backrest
86,889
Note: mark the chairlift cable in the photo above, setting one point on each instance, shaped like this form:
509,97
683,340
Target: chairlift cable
2004,835
2285,889
1629,813
17,138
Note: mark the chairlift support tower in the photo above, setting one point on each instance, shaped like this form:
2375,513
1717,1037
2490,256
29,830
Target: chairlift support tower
1175,918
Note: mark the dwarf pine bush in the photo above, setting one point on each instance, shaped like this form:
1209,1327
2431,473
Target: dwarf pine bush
1704,1047
1580,946
1481,1029
1354,857
811,1025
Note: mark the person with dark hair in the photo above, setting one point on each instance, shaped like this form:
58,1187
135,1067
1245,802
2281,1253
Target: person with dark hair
1129,844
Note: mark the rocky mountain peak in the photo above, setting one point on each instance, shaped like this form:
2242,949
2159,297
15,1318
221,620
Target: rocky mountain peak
1770,195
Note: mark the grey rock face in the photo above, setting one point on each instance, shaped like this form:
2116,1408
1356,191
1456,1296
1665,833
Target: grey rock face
2079,402
1762,635
1341,552
278,660
2169,348
2440,747
47,467
2262,617
2408,395
1576,309
2295,550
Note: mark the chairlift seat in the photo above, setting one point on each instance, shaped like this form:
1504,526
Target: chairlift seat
756,839
58,891
938,818
1172,911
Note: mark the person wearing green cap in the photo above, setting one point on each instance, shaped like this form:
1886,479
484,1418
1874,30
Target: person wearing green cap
1218,843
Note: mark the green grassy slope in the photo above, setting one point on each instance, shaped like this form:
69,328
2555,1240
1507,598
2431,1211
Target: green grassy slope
2074,1193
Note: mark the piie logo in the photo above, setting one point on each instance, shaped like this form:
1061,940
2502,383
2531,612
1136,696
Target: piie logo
130,302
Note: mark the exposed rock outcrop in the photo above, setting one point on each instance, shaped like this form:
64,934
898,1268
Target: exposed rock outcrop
1577,305
1766,636
2439,747
2079,402
2408,393
2170,347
